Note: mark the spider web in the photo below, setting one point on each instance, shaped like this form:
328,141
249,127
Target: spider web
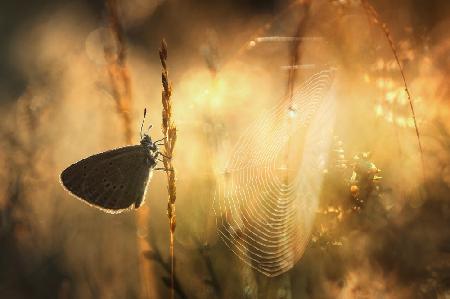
266,200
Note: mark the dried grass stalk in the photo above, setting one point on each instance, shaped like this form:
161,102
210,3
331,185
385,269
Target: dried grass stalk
373,16
116,58
295,48
170,133
118,70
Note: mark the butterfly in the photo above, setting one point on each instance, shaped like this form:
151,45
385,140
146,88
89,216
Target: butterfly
115,180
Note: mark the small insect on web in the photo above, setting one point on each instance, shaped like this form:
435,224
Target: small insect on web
266,200
115,180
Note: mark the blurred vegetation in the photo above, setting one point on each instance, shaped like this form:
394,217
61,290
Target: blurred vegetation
381,230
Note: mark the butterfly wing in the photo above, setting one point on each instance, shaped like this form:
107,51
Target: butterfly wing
112,180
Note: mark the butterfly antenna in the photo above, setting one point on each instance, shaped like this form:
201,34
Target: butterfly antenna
142,125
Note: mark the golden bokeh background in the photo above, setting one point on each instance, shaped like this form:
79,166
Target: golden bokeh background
58,106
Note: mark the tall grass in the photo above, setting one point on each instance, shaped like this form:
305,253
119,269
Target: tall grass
116,58
119,74
374,17
169,131
389,246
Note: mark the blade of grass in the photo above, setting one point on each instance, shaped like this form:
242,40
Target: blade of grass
121,86
169,131
374,17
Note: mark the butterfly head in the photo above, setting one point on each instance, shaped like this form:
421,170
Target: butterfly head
148,143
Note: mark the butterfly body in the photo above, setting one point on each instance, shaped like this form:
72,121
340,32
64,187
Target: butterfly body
115,180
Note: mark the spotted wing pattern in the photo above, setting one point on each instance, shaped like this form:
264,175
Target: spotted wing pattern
113,180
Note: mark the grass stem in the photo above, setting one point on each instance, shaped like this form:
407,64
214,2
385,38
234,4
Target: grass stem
170,133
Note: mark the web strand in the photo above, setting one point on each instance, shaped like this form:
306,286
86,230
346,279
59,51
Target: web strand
264,218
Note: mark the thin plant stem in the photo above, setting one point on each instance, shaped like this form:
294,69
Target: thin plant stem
295,48
372,14
116,58
118,69
263,28
170,136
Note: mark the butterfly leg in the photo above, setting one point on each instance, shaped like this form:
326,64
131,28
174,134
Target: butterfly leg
163,169
159,140
159,153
